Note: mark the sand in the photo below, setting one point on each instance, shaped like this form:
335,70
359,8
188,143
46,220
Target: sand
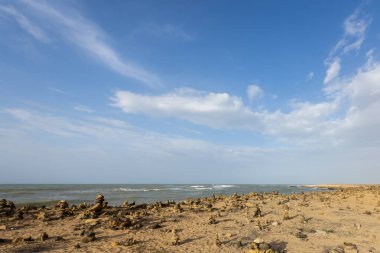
310,222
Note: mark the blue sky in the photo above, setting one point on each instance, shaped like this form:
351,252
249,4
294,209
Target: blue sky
189,92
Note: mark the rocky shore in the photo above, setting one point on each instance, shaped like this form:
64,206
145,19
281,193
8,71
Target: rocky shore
344,220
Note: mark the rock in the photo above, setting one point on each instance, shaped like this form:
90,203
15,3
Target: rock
19,215
286,215
258,240
130,241
175,238
89,236
63,204
275,223
43,237
217,241
58,238
115,244
99,199
42,216
299,234
249,204
87,239
17,240
3,227
97,208
155,226
229,235
82,216
28,239
257,211
349,247
372,249
264,246
77,246
320,233
212,220
91,222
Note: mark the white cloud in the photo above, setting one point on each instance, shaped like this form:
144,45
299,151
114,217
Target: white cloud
333,70
254,91
25,23
82,33
222,110
90,145
342,115
216,110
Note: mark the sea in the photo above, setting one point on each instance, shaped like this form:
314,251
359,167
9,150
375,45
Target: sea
117,194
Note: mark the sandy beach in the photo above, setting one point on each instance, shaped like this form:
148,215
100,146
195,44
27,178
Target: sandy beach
344,220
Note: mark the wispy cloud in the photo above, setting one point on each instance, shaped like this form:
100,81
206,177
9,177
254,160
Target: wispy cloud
254,91
355,27
79,31
57,90
310,76
332,71
25,23
82,108
165,30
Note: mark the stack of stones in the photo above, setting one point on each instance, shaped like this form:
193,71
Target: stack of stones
346,247
7,208
259,246
98,207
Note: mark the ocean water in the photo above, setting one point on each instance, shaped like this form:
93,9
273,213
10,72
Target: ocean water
116,194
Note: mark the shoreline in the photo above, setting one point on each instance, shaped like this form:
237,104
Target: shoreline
337,186
305,222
